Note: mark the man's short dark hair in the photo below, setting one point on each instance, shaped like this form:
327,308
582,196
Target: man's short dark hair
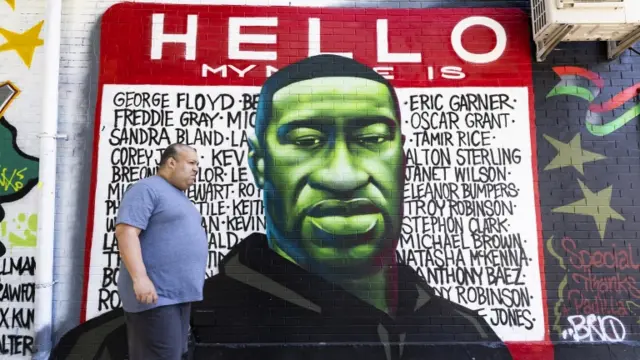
326,65
172,152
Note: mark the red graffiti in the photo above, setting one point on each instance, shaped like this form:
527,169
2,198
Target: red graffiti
617,283
617,258
599,283
602,304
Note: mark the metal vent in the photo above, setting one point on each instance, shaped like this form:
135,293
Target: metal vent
539,12
561,4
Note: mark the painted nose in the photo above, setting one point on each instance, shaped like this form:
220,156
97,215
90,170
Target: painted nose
341,175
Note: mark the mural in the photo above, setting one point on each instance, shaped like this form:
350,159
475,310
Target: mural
362,186
24,44
18,171
597,297
17,289
328,154
18,178
18,175
11,3
587,85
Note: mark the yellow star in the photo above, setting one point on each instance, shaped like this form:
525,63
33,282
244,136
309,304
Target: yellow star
597,205
11,3
571,154
24,44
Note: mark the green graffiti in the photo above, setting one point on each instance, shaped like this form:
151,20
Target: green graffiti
596,205
11,179
563,284
23,233
608,128
556,308
593,118
630,303
553,252
571,91
18,171
571,154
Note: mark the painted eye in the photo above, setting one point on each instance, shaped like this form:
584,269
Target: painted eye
372,139
307,141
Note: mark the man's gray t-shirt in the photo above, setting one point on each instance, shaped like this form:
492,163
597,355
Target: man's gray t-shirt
173,243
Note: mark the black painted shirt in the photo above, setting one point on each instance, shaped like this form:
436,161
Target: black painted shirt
262,306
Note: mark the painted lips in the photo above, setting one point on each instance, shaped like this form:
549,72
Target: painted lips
335,207
336,218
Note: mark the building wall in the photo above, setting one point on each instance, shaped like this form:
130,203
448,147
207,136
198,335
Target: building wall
21,31
585,193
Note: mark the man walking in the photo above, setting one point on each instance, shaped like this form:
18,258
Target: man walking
164,253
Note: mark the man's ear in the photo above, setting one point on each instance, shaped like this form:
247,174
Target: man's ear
256,161
171,163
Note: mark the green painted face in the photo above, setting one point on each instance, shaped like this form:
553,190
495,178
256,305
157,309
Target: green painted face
332,170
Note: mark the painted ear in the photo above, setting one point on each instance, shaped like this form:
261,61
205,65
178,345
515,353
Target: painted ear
256,161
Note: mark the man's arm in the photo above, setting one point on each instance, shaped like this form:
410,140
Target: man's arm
134,214
129,245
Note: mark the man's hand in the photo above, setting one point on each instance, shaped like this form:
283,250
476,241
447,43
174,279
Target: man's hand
144,290
129,245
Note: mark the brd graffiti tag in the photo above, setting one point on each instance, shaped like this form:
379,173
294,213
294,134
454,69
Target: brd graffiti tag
595,328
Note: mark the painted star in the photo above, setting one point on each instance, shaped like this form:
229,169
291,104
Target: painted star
24,44
11,3
596,205
571,154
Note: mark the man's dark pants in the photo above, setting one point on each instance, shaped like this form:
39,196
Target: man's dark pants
160,333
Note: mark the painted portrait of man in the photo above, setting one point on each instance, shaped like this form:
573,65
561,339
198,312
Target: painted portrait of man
328,155
324,280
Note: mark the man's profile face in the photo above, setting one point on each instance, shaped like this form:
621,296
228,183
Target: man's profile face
184,168
334,173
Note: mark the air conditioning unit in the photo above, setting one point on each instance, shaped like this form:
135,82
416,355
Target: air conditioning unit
615,21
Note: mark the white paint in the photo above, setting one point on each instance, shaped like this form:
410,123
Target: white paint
315,40
385,71
236,38
453,73
493,55
206,69
270,70
515,135
593,327
382,46
159,37
47,170
241,72
105,170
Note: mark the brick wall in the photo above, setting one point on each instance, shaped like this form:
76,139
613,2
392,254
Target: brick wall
570,230
582,260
